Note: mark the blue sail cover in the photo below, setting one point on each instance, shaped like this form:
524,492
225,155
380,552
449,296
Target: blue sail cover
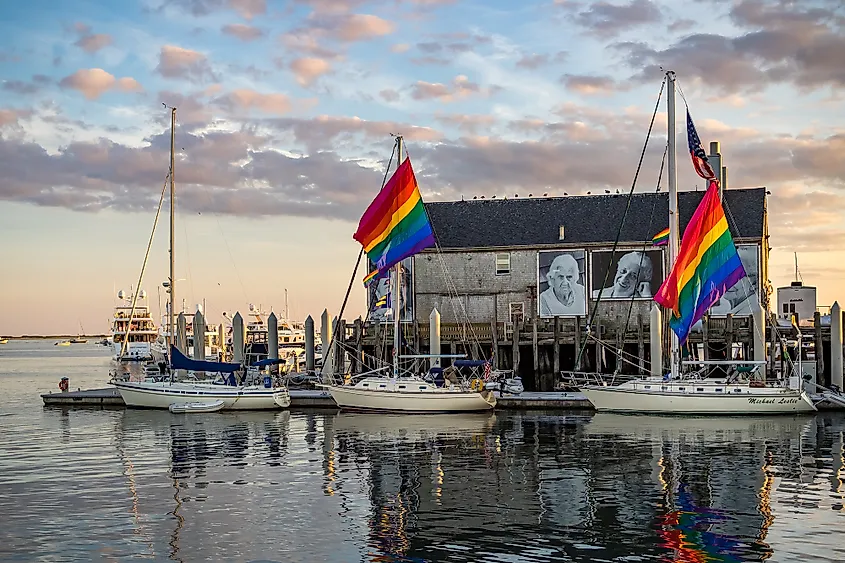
178,360
267,362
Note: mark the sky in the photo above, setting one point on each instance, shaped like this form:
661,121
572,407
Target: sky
285,111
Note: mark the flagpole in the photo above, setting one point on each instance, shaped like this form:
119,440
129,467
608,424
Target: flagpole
397,285
674,227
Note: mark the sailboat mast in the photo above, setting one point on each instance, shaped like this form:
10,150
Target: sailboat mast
397,286
674,226
172,331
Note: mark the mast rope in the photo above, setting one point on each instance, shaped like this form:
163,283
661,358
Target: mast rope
595,308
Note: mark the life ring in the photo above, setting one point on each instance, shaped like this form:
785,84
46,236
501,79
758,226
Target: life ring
476,384
64,384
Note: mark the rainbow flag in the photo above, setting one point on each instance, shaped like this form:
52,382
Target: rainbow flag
395,225
707,266
661,238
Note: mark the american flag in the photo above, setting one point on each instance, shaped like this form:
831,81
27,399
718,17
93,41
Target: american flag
699,158
488,369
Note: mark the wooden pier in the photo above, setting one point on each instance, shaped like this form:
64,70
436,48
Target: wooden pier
316,399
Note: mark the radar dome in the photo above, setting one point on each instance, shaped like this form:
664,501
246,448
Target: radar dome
251,307
121,294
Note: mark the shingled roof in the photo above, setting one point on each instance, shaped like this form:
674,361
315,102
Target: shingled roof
587,219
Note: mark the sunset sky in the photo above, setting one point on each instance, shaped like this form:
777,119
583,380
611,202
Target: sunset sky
285,111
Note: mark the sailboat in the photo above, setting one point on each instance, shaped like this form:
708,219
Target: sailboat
704,267
396,227
79,339
162,394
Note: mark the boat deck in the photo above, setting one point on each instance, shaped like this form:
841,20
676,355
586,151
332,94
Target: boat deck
310,399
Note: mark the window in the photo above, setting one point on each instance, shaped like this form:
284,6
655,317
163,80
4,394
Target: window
517,312
503,263
785,308
792,307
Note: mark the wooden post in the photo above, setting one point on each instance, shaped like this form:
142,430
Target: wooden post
819,346
377,352
536,354
556,351
359,346
640,344
494,327
578,359
729,336
772,346
516,347
416,345
705,336
620,347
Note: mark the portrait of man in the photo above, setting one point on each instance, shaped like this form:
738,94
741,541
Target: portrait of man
738,299
632,274
381,300
560,282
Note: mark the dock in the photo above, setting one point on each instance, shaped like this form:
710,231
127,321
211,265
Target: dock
315,399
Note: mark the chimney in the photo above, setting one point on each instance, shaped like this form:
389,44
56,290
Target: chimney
715,159
724,178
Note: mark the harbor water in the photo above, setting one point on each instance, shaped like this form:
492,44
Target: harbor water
113,484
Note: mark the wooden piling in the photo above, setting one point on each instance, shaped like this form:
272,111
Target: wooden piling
578,358
819,347
516,347
536,353
494,331
640,345
556,351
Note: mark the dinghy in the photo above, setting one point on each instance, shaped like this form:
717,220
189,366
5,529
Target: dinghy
212,406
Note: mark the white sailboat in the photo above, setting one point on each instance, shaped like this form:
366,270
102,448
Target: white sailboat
162,394
402,391
693,393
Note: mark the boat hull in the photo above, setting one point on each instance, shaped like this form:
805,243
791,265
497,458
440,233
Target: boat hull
184,408
162,395
355,399
774,401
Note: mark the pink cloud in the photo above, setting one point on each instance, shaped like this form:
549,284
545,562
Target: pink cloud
94,82
178,62
249,8
242,31
246,100
93,43
460,87
308,69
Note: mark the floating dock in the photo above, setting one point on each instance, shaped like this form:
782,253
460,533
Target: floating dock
316,399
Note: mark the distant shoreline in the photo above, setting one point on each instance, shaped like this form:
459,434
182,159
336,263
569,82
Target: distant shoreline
54,337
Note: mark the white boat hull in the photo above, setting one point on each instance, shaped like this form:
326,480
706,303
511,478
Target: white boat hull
162,395
348,397
762,401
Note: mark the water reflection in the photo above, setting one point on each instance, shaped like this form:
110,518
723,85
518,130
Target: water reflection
316,486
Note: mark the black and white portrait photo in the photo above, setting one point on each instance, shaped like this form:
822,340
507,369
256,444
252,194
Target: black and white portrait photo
737,300
626,274
380,298
561,281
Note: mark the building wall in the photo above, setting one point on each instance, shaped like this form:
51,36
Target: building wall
482,295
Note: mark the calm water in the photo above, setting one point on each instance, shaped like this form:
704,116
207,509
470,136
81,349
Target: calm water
97,485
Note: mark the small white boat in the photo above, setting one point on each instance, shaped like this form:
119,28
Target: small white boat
180,408
160,395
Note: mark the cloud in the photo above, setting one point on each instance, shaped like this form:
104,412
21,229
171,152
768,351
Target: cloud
460,87
400,47
589,85
247,100
354,27
20,87
178,62
467,123
606,20
93,43
779,42
535,61
12,116
327,132
94,82
242,31
308,69
248,9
